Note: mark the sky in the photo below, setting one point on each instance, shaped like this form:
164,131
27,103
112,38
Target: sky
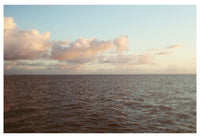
101,39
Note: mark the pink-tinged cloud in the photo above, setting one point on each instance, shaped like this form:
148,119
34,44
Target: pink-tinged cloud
81,51
22,44
121,43
86,50
174,47
64,66
25,64
7,67
122,59
9,24
166,48
23,47
62,43
146,58
155,49
163,53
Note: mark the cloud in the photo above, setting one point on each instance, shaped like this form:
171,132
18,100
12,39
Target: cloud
122,59
86,50
22,44
7,67
155,49
28,50
64,66
146,58
63,43
121,43
29,63
81,51
178,69
163,53
9,24
174,47
166,48
42,66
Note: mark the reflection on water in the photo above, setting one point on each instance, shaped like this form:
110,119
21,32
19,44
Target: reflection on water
119,103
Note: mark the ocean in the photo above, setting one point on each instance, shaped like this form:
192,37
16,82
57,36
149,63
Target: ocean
99,103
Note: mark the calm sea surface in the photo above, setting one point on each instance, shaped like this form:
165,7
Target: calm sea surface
110,103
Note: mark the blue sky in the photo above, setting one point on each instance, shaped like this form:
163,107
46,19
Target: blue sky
147,27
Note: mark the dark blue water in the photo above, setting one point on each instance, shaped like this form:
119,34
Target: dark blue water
110,104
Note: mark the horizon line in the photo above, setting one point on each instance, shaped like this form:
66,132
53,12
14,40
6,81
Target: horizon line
100,74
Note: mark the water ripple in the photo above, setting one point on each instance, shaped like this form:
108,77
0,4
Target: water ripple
103,104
